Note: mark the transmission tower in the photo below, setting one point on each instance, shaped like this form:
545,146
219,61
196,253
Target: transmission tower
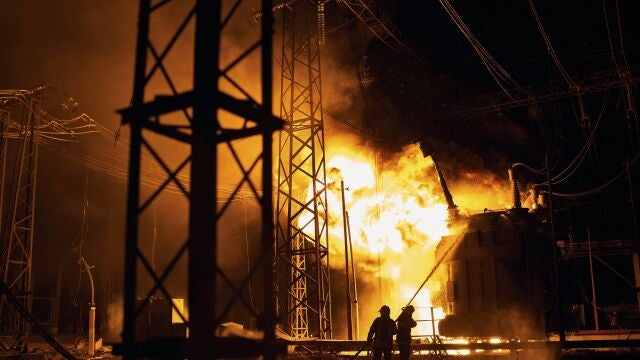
25,126
19,217
207,120
302,236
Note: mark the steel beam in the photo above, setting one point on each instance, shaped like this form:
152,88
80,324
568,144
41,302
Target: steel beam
202,130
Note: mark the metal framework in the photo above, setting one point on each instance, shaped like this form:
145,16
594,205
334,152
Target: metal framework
18,221
302,236
201,129
4,122
25,126
590,84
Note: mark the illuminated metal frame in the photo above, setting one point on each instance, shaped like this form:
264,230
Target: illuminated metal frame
17,234
204,134
302,234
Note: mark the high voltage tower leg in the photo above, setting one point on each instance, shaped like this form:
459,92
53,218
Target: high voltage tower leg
4,122
18,221
209,123
302,237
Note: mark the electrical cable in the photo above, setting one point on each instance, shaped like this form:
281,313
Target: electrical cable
582,118
624,57
598,188
535,171
584,151
631,105
606,22
350,125
504,80
550,49
51,132
573,166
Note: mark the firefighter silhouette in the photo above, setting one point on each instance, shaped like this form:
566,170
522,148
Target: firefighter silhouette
405,323
381,333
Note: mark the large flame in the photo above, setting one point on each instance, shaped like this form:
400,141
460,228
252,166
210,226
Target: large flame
402,214
397,216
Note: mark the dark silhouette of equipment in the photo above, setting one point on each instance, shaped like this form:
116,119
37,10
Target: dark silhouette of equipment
427,150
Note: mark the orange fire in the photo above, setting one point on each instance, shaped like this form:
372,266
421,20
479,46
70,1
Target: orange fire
397,216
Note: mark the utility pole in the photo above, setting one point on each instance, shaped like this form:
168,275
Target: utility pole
594,301
346,264
92,309
302,237
556,271
354,277
636,232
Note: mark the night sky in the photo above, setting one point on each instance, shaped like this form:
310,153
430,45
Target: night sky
86,49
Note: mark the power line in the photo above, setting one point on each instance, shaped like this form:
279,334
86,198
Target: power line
81,130
600,187
504,80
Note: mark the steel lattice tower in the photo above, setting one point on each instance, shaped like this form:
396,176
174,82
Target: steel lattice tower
302,236
19,219
193,118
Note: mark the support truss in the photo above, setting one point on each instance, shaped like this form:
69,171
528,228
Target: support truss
4,122
207,121
302,236
19,212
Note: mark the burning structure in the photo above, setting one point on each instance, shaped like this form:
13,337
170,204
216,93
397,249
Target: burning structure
496,278
508,273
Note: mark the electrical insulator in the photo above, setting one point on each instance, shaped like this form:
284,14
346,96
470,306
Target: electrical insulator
321,28
515,190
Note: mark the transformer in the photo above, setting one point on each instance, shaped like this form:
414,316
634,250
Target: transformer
497,275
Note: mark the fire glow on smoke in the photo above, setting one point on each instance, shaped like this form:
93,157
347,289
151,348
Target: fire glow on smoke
397,216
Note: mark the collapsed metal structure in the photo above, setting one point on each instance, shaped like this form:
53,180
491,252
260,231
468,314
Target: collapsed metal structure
201,129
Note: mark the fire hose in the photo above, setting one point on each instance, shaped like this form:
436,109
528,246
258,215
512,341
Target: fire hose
362,348
433,270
